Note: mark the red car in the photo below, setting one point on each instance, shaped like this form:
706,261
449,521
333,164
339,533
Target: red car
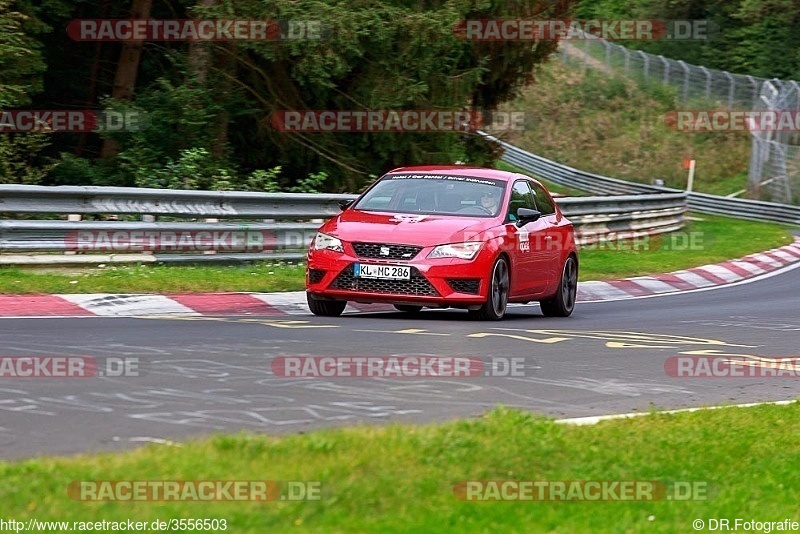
446,236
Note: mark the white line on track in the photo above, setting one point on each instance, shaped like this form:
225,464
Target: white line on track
593,420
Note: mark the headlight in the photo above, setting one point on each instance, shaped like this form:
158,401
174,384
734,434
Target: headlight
325,241
464,251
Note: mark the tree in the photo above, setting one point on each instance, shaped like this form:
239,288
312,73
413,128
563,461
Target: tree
20,58
20,67
377,56
127,69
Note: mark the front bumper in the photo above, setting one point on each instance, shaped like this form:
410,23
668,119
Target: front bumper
445,282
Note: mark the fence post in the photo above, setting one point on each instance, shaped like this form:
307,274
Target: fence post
731,88
708,82
754,83
686,73
646,64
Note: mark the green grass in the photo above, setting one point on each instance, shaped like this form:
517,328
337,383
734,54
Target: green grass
616,127
400,478
715,239
258,277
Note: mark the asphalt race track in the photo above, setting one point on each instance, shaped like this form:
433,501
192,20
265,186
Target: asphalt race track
203,375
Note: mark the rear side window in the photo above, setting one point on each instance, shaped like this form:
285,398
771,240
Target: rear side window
544,202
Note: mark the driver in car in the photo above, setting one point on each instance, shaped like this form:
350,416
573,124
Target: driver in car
490,200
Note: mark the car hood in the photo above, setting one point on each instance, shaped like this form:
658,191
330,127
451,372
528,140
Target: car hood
406,228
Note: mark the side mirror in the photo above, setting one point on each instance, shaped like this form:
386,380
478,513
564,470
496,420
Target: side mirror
525,215
344,204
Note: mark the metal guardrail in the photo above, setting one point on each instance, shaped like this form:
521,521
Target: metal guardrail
623,217
603,185
127,200
745,208
72,242
92,236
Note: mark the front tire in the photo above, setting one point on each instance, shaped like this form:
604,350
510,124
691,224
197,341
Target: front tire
496,301
325,308
563,303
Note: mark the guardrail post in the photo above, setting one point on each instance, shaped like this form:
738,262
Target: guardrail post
72,217
212,220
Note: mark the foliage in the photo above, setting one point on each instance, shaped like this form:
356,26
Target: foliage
197,168
374,55
20,57
20,65
756,37
17,158
618,124
208,105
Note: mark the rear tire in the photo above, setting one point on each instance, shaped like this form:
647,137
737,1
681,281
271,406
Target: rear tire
408,308
499,285
563,303
325,308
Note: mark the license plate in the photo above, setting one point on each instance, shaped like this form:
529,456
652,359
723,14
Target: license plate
383,272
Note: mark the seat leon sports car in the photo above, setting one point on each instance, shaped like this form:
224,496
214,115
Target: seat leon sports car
442,237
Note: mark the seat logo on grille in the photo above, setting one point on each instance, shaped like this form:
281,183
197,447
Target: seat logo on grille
384,251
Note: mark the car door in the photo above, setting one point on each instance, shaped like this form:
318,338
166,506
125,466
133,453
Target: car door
529,255
555,234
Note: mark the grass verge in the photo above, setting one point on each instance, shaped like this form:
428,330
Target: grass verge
259,277
400,478
616,127
710,240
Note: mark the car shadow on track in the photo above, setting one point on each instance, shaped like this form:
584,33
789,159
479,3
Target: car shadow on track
526,313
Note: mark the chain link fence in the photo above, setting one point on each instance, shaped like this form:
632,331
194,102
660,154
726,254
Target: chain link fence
774,172
775,156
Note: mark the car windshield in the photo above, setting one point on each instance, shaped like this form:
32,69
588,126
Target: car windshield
435,194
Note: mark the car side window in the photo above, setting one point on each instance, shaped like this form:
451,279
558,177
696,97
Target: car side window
544,202
521,197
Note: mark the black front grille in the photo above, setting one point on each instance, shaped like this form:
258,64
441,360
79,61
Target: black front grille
417,285
315,276
395,252
465,285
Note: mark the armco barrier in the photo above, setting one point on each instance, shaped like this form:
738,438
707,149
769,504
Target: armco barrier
268,226
603,185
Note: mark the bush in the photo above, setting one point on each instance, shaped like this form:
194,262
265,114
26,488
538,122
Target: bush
18,158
